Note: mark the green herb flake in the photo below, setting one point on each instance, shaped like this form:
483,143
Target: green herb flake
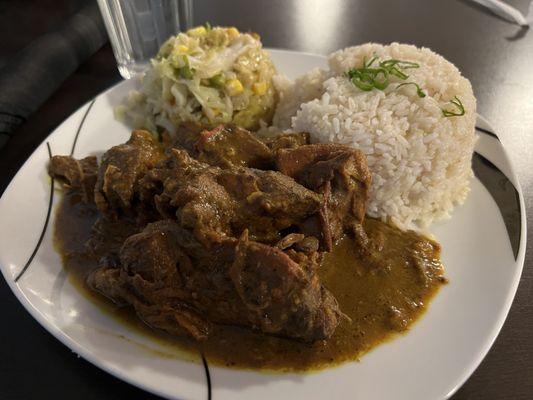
367,65
367,77
452,113
419,91
399,64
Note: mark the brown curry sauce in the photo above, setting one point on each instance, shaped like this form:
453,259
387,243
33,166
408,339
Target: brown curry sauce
383,290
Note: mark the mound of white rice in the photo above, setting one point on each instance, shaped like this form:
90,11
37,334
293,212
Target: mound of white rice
419,159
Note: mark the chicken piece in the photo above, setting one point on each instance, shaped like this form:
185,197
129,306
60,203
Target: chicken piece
76,174
287,141
283,296
302,243
192,236
339,173
224,146
108,235
121,167
269,202
176,284
214,202
290,240
231,146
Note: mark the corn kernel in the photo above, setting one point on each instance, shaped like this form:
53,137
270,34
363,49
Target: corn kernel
198,31
259,88
234,87
182,49
232,33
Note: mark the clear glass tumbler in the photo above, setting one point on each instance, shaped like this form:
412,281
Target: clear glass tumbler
137,28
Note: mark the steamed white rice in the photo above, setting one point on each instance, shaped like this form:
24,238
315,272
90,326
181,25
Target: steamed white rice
419,159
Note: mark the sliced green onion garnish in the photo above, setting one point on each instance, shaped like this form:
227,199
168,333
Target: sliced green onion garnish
396,72
458,104
366,65
361,84
398,63
419,91
384,82
367,78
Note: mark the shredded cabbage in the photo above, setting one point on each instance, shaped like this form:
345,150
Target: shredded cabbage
208,75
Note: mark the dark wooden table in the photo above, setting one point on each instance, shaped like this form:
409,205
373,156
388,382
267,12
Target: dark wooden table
495,55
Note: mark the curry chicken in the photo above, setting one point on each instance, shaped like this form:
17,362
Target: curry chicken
215,235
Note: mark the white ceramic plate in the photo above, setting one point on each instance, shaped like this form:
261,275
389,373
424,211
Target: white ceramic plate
483,251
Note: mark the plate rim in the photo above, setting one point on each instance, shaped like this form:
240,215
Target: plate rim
519,261
76,347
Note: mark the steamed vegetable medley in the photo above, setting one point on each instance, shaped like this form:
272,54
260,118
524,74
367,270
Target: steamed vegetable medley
210,75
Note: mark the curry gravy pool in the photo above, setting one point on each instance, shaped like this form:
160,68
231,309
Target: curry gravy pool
382,289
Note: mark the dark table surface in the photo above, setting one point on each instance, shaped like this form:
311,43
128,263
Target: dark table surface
495,55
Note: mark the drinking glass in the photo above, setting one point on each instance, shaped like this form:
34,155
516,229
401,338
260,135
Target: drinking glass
137,28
